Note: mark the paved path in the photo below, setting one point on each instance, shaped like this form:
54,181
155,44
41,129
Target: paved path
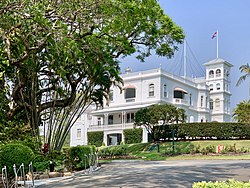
172,174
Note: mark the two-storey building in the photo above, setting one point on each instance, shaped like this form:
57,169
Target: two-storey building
204,99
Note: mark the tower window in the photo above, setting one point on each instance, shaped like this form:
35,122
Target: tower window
151,89
217,104
202,101
211,104
218,73
211,87
211,74
218,86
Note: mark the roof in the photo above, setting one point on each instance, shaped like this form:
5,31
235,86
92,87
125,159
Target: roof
218,61
180,89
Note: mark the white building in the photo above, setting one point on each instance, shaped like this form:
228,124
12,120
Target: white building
204,99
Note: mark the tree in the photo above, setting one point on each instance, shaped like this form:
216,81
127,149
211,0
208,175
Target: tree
159,114
242,111
246,70
60,56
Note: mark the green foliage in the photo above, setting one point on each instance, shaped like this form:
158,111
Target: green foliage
246,70
242,111
209,130
133,135
160,113
113,151
77,157
17,154
137,148
221,184
95,138
59,49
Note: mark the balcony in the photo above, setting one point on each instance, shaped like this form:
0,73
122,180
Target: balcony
180,101
110,127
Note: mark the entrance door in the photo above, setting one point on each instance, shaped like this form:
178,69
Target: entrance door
114,139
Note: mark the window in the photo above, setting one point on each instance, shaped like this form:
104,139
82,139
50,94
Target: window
217,104
191,119
202,101
151,89
206,101
130,93
211,87
130,118
165,94
110,119
211,74
218,73
78,133
218,86
111,95
99,121
211,104
190,99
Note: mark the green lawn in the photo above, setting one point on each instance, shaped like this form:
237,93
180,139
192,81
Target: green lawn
194,150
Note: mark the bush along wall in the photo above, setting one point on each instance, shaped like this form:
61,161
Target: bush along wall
79,157
209,130
95,138
133,136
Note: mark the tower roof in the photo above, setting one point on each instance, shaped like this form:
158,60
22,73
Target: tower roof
218,61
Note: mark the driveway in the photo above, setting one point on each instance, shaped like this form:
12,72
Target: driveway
173,174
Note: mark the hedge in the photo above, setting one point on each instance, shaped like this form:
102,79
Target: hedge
133,136
95,138
78,157
208,130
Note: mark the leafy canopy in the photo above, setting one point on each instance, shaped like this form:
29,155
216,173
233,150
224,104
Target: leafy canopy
159,114
53,51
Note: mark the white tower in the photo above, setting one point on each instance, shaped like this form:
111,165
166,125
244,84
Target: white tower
218,80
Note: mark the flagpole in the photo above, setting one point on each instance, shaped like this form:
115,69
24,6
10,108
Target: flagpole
217,46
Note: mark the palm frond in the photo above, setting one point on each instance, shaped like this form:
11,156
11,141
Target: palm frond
244,69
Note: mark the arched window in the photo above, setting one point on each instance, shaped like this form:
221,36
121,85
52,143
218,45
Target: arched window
211,104
218,73
211,87
151,90
211,74
218,86
165,93
217,104
129,93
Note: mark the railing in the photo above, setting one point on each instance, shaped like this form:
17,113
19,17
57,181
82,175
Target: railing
180,101
20,177
110,127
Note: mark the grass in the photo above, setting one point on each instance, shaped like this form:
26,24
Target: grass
184,148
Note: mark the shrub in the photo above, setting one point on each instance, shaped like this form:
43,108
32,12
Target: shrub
79,156
221,184
133,136
95,138
17,154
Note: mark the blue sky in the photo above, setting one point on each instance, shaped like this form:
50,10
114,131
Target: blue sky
200,19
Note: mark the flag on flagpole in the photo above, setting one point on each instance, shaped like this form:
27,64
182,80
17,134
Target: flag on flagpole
214,35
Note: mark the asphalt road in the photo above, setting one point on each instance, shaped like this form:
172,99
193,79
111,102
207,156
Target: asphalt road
173,174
